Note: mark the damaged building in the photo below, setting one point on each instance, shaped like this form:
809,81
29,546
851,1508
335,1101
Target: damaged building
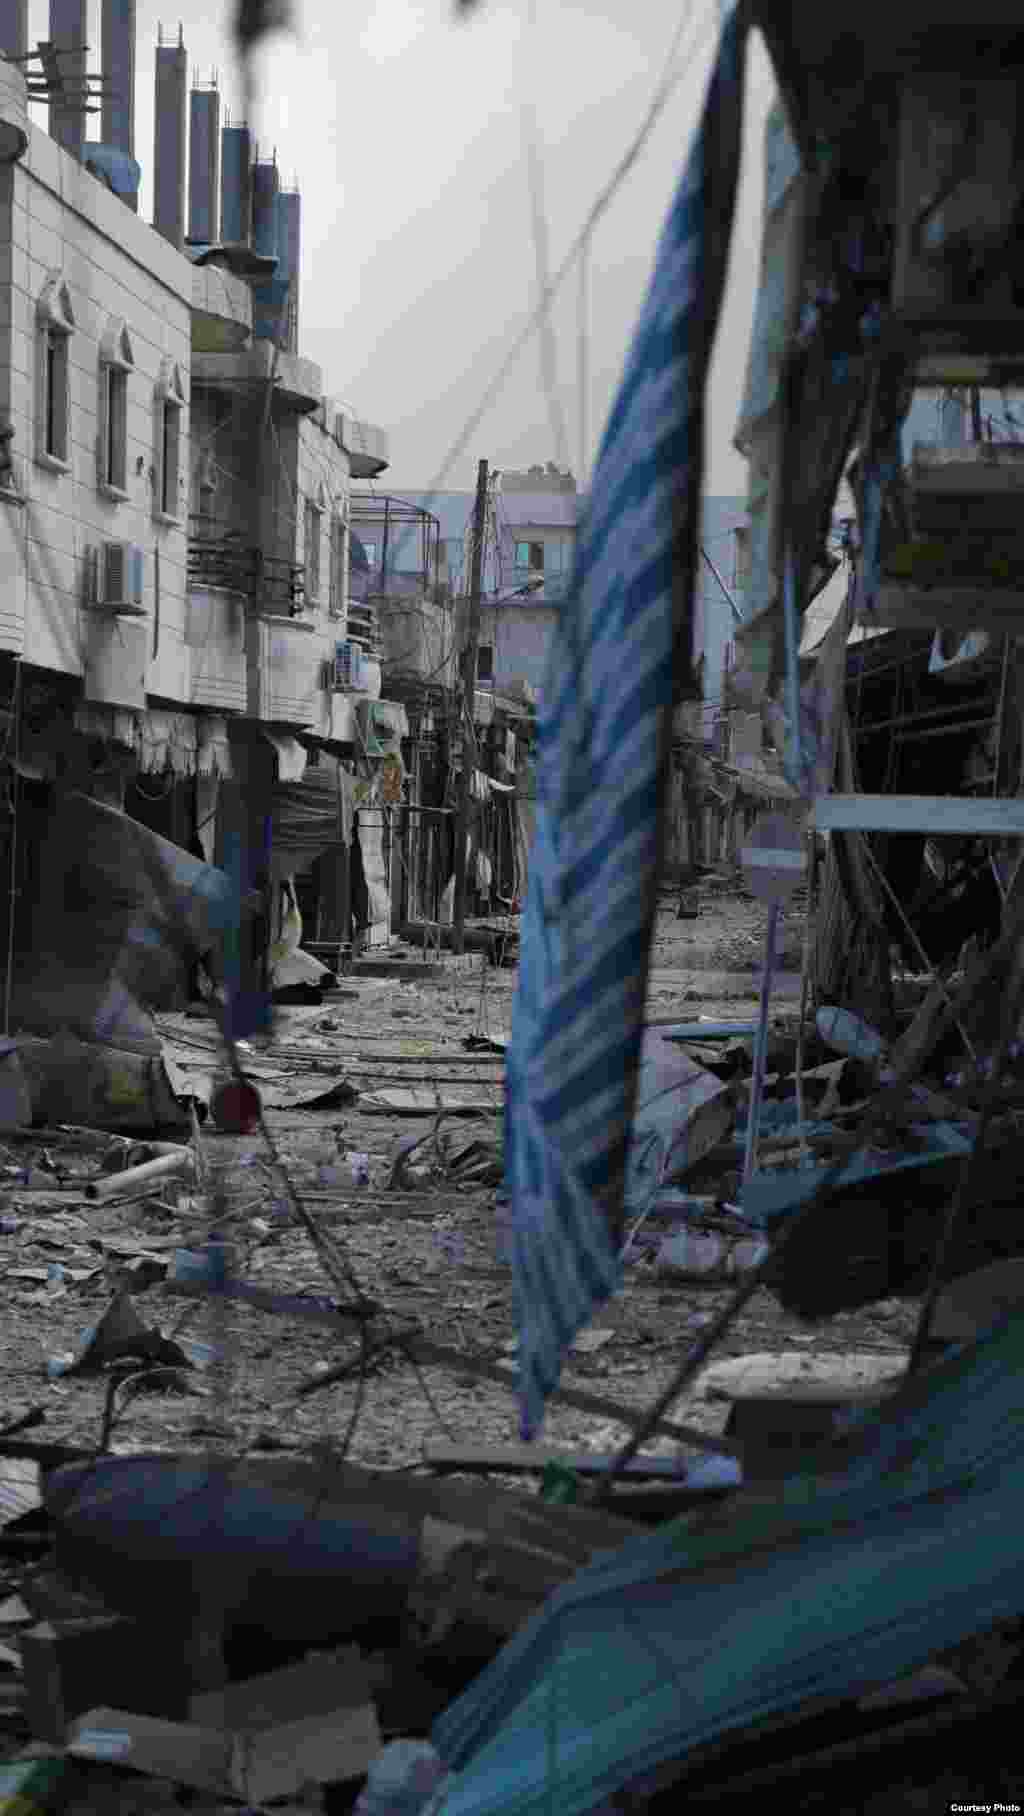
175,607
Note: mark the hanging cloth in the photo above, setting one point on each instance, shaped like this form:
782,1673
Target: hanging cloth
622,645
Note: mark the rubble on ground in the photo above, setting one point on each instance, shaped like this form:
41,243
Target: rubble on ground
386,1103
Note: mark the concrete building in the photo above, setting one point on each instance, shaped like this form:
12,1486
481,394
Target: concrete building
170,601
533,522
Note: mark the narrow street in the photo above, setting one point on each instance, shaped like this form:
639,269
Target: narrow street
422,1238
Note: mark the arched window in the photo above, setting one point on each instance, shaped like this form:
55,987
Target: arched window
339,557
55,324
169,416
311,537
116,362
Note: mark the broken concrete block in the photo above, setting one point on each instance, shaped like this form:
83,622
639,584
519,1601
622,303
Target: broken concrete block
68,1664
72,1080
692,1253
308,1724
823,1376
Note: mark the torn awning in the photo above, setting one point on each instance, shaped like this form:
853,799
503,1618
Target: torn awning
309,816
166,741
113,724
291,757
213,749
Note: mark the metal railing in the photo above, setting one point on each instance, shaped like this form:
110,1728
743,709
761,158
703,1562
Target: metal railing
219,557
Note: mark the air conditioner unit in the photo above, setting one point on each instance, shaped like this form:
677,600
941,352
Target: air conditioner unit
120,570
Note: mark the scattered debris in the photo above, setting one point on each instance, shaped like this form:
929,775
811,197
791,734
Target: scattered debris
401,1780
429,1100
164,1166
119,1336
19,1489
266,1738
587,1342
836,1376
696,1254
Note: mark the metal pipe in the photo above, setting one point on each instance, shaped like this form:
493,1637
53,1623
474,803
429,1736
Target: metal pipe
920,718
761,1043
791,622
735,608
941,731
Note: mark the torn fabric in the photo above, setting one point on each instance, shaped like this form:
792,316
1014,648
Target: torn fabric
213,749
111,724
836,1584
167,741
622,645
290,754
306,817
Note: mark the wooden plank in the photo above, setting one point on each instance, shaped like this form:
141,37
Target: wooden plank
531,1459
437,1354
934,814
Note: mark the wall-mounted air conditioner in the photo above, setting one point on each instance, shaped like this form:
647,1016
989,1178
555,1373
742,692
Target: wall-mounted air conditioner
120,573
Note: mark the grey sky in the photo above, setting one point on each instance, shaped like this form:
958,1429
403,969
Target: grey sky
404,129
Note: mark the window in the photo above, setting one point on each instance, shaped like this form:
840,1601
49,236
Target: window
168,420
485,662
115,451
339,563
171,456
116,361
56,440
56,324
311,548
530,555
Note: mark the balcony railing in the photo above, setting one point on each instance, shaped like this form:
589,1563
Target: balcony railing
220,558
555,585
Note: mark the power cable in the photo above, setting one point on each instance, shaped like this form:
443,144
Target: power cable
541,247
666,87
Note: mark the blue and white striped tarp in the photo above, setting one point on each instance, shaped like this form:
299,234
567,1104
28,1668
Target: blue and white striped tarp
840,1583
621,649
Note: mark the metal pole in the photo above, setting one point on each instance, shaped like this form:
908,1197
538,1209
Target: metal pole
737,614
761,1045
469,701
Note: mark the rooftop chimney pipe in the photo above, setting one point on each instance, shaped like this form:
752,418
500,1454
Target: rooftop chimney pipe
169,142
68,24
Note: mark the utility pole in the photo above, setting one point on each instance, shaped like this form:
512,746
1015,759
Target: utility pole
468,706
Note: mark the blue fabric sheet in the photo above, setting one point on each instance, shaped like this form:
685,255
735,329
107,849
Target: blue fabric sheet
689,1634
621,646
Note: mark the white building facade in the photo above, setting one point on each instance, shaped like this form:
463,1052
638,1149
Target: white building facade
174,506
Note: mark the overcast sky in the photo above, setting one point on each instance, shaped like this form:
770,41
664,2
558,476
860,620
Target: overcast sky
404,129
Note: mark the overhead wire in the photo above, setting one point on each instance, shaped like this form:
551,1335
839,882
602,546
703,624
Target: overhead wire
548,346
583,360
539,318
672,75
